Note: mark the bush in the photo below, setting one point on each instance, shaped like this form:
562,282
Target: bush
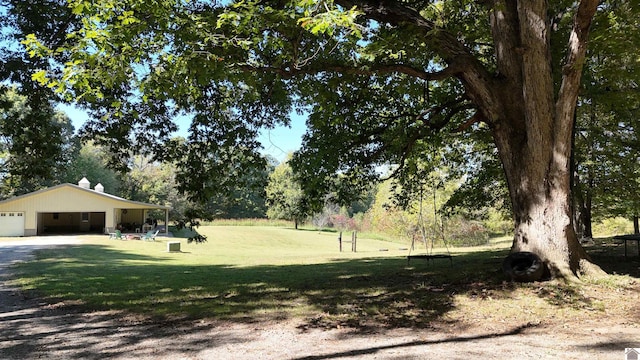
363,222
463,232
613,226
248,222
497,223
343,222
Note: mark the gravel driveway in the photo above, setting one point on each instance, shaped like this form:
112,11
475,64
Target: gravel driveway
21,250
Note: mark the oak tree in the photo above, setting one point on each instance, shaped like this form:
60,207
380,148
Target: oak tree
378,79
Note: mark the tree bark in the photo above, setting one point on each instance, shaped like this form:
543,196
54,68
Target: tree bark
537,160
578,207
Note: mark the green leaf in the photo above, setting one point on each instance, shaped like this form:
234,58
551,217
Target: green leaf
40,76
78,9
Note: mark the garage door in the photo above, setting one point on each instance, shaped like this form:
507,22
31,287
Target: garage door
11,224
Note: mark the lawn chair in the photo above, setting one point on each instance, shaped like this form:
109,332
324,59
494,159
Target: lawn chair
116,235
150,235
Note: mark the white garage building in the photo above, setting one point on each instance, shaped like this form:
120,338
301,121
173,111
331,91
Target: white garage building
73,209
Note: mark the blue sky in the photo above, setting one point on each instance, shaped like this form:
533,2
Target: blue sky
277,142
282,140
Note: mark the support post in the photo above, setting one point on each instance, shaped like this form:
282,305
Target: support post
354,238
166,222
340,240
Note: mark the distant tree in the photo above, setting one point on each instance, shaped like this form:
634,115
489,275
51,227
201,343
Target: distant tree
36,144
90,161
606,146
606,164
285,198
147,180
38,140
248,200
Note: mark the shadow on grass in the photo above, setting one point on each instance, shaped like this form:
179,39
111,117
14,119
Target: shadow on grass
321,230
184,232
358,293
609,254
363,294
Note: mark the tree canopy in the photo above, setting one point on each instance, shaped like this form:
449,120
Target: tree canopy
379,80
37,143
37,140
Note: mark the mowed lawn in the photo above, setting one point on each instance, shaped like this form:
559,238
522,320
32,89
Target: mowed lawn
248,273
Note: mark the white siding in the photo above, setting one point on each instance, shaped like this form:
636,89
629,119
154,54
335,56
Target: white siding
67,198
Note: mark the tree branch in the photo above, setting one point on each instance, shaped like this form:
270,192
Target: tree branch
290,71
572,71
471,72
472,120
506,35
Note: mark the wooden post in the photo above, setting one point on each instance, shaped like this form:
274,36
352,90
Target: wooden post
354,237
340,240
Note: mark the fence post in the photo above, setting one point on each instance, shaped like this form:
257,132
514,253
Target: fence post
354,237
340,240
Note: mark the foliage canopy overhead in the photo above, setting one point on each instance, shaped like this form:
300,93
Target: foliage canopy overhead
382,81
373,91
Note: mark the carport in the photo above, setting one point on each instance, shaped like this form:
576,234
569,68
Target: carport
71,223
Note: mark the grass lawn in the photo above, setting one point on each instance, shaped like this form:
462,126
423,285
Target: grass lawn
249,273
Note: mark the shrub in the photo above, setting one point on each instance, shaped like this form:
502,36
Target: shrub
613,226
362,222
497,223
463,232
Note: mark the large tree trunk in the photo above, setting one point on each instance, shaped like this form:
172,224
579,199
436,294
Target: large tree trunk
533,131
539,191
536,164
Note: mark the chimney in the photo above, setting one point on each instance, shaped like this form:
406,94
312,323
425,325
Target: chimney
99,188
84,183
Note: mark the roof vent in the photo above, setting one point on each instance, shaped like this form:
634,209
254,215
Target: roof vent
99,188
84,183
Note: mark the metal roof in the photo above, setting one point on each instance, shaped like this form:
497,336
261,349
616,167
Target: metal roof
97,193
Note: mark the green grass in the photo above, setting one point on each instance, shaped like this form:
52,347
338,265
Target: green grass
249,222
252,273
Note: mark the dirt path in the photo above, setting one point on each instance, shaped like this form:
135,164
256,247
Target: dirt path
31,328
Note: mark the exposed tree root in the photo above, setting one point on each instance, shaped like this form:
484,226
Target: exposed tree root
591,270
